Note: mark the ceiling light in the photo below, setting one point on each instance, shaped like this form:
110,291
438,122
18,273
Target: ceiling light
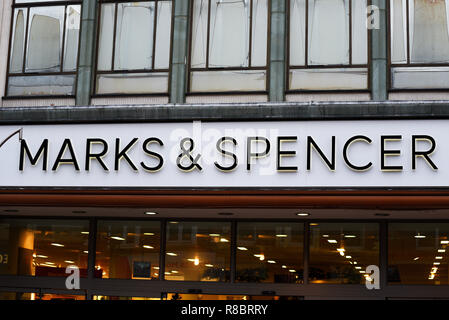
348,257
441,250
419,236
214,234
57,244
209,265
437,263
196,261
174,271
171,254
118,238
84,232
332,241
350,236
148,234
284,267
292,270
242,248
148,247
302,214
69,261
271,261
416,258
151,213
444,241
224,240
439,257
281,236
358,268
41,256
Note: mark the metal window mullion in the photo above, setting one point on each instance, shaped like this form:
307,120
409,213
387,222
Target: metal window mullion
163,244
233,252
383,256
350,32
26,41
91,257
114,37
250,45
306,35
306,248
64,35
208,33
407,14
156,3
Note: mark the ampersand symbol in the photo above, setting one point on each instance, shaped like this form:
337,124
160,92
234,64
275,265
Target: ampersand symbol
187,153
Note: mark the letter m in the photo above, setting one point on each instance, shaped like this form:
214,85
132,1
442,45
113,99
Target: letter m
43,151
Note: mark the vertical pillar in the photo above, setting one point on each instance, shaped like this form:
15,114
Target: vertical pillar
86,52
379,58
278,41
178,75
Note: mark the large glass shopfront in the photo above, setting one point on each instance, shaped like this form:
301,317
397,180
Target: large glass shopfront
219,259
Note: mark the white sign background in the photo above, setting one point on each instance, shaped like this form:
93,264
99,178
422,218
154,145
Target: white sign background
205,134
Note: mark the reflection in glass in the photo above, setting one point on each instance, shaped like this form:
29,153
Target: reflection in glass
418,253
72,38
328,32
270,252
134,37
198,251
45,39
229,33
128,249
18,43
340,252
43,247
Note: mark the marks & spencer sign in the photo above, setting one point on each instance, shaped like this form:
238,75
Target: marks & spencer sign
387,153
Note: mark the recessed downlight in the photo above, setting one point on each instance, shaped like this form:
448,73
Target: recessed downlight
151,213
302,214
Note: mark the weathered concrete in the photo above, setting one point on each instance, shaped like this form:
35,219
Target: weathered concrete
228,112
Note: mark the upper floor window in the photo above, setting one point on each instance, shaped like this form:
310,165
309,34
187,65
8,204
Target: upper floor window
133,47
44,47
328,45
228,46
419,44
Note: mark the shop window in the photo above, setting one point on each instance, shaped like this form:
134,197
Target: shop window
134,47
44,48
43,247
270,252
418,253
128,250
228,46
328,45
198,251
341,252
419,44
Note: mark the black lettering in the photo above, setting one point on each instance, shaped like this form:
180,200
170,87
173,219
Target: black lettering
311,143
281,153
43,151
123,154
250,154
146,149
97,156
221,141
384,153
345,153
424,154
67,144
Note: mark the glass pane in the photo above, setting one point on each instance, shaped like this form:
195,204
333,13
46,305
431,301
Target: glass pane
72,38
398,31
297,32
329,79
328,32
106,37
43,247
229,33
198,251
18,41
114,298
199,33
340,252
37,1
18,296
163,35
128,249
134,36
359,32
132,83
41,85
429,31
416,78
219,81
270,252
45,33
417,253
259,33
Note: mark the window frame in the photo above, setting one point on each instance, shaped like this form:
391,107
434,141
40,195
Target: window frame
23,73
136,71
306,65
207,68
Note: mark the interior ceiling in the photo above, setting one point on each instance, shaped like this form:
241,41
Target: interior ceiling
220,213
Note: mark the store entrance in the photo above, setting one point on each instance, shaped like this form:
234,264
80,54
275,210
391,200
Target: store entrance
215,297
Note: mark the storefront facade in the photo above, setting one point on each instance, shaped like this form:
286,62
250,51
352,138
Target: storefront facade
277,173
